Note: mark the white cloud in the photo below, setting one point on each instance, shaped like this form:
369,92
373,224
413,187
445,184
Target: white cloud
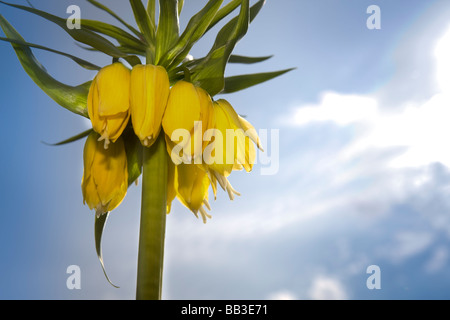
326,288
438,260
337,108
282,295
422,129
407,244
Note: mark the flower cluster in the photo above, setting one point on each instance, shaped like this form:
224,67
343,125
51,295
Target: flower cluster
206,139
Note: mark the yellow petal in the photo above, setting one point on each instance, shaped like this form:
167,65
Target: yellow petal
183,108
192,185
114,89
150,88
108,102
105,176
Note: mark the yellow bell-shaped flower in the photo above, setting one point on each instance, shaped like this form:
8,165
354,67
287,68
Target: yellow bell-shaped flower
231,147
105,176
150,88
191,185
188,115
108,102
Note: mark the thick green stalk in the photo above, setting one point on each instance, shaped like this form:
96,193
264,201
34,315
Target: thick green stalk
153,222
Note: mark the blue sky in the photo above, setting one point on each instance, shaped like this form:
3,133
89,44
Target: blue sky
363,173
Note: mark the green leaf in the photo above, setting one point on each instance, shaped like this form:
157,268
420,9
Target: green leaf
85,64
247,60
168,27
151,11
194,31
223,12
237,83
72,139
123,38
231,6
82,35
209,74
109,11
133,149
255,9
145,24
99,226
180,6
71,98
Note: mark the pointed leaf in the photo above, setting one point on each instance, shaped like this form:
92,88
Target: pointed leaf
237,83
82,35
109,11
180,6
122,37
168,27
145,24
223,12
193,32
231,6
81,62
133,149
209,74
151,11
247,60
71,139
71,98
99,226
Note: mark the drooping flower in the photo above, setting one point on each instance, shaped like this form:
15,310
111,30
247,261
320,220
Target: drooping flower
191,184
108,102
231,147
105,177
188,115
150,88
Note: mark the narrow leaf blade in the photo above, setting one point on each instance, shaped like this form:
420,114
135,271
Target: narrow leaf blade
247,60
168,27
118,18
71,98
83,63
195,29
237,83
71,139
82,35
134,151
209,74
99,227
122,37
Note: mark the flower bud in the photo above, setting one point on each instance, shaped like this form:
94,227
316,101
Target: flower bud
108,102
105,176
150,88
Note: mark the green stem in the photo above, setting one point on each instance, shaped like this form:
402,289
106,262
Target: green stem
153,222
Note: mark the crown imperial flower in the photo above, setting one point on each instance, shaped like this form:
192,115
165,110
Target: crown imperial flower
108,102
105,177
189,108
149,93
210,134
